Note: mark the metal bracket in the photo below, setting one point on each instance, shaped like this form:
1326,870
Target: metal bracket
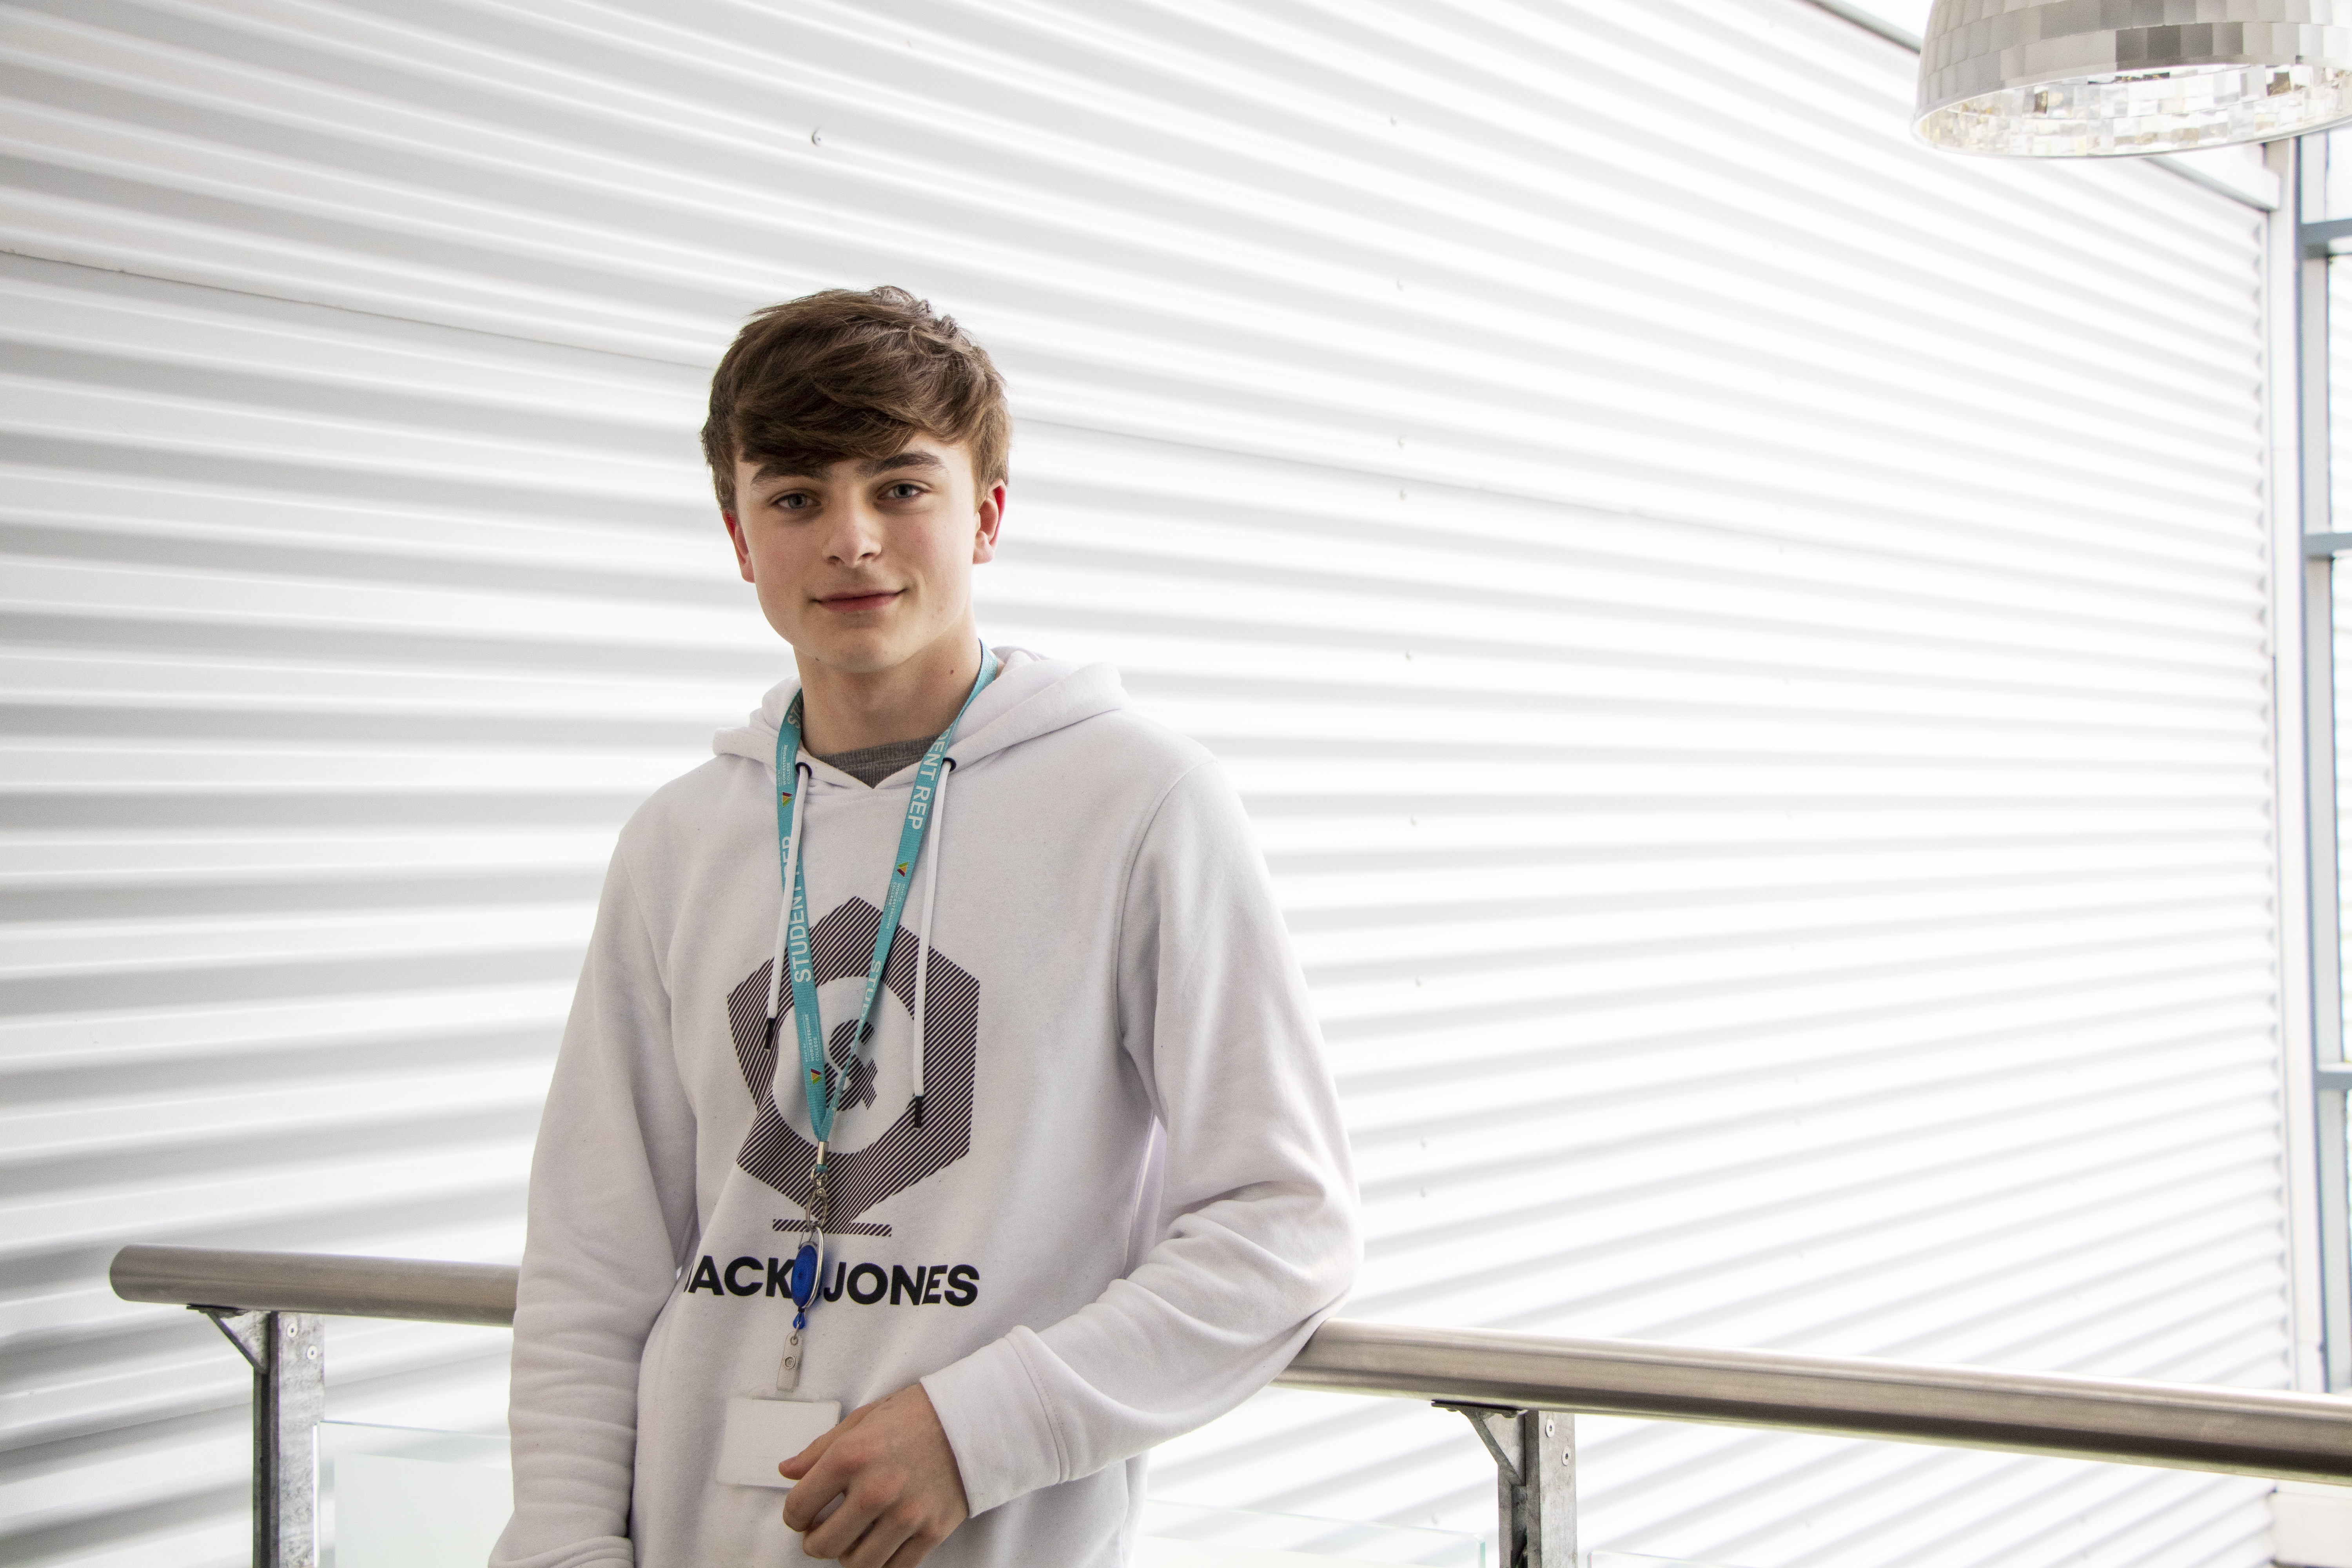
1534,1482
288,1353
2319,239
244,1331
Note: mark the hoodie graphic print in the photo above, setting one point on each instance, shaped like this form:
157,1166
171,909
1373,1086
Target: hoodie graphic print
1125,1204
917,1145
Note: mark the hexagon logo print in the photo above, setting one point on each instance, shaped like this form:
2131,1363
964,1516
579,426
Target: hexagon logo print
778,1153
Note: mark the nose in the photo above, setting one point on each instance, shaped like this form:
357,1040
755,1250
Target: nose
856,536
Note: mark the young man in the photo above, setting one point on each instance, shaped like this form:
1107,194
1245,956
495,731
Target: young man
940,1056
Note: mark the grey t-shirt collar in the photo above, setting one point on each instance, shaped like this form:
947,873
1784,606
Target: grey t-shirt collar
869,766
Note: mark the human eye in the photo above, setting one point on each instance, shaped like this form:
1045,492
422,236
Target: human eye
792,500
904,489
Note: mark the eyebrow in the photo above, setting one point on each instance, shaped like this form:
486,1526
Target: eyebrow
868,469
873,466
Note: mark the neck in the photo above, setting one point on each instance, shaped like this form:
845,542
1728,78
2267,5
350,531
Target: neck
843,711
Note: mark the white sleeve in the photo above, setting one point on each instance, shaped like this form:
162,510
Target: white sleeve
1259,1238
610,1211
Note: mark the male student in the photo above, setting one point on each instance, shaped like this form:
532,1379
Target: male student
940,1056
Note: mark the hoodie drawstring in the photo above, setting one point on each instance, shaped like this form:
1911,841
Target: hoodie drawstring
937,848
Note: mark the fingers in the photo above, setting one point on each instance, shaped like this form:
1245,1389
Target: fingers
837,1474
889,1479
799,1464
808,1497
916,1547
839,1531
878,1544
888,1542
816,1486
813,1487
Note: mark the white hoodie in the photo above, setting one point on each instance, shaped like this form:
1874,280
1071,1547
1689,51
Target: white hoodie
1128,1204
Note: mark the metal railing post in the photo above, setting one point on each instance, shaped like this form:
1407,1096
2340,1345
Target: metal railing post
1535,1482
289,1354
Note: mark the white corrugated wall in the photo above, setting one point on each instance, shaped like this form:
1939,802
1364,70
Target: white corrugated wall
1744,639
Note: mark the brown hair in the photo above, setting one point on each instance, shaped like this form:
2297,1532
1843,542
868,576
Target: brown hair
850,373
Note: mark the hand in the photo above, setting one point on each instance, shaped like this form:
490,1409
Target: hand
890,1465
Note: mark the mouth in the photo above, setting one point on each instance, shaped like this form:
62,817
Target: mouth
855,602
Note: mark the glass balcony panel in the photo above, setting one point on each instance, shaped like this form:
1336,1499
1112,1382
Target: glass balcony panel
1181,1536
395,1497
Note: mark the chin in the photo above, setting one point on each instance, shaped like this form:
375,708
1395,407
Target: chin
866,655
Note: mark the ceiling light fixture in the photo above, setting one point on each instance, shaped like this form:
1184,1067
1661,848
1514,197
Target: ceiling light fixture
2090,79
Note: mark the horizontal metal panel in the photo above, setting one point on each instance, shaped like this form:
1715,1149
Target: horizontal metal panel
1744,642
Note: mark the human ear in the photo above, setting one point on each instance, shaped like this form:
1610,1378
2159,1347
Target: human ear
992,519
743,547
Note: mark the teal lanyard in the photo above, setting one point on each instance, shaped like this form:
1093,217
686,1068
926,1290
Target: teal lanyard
807,1026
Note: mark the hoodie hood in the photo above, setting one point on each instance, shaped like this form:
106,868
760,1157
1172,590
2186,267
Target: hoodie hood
1030,697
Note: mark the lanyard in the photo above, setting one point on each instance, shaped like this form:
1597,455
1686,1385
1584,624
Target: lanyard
807,1026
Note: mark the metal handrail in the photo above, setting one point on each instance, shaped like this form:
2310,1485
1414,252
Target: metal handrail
2245,1431
329,1284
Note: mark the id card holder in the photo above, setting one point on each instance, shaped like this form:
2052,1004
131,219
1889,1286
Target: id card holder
763,1433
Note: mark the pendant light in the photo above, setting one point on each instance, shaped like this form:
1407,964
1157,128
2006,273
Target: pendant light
2087,78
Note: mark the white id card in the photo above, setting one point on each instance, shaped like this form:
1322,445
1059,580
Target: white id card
763,1433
